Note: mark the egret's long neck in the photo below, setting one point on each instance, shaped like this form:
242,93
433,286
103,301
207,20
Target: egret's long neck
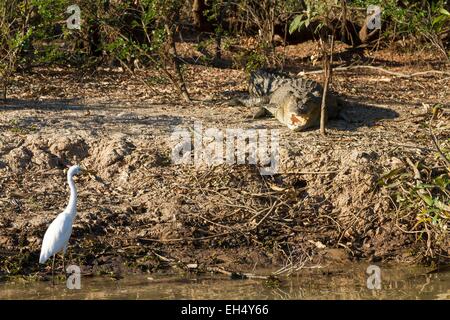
72,206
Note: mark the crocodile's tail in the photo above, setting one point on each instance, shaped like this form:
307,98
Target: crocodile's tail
249,102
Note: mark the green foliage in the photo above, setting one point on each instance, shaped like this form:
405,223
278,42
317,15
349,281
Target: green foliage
14,33
412,18
427,197
421,20
315,11
149,20
255,60
34,31
441,18
48,25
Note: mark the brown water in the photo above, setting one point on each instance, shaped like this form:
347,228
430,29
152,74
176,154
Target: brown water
349,283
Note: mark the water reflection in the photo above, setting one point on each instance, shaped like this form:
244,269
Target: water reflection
404,283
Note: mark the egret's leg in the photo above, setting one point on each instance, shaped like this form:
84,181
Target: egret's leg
64,264
53,270
64,259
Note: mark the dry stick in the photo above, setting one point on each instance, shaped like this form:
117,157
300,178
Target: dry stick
349,7
208,220
174,57
189,238
162,257
311,172
180,87
328,60
345,32
215,235
4,89
291,267
137,77
326,67
226,198
397,74
265,216
236,274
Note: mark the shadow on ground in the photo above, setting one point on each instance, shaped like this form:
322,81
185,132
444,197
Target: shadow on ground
355,115
49,105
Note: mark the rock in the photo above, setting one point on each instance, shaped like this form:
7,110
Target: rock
335,254
5,241
45,159
111,152
395,163
108,156
318,244
19,158
70,150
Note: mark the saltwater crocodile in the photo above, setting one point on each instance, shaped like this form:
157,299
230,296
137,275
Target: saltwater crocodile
294,101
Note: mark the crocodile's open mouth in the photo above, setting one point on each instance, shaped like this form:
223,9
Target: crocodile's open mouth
297,122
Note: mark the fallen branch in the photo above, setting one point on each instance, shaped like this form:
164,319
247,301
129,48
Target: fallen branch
237,275
393,73
189,238
136,76
310,172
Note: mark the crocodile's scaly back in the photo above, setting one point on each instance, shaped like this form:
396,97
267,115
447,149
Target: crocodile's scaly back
264,83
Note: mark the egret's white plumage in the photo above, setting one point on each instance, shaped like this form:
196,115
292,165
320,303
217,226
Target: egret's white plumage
58,233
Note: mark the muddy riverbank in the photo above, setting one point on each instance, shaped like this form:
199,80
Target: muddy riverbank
140,212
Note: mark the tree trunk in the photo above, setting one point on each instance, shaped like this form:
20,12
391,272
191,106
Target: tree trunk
4,87
201,23
219,31
94,39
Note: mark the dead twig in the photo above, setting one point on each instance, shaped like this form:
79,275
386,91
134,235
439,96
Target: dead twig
397,74
266,215
236,275
327,66
311,172
189,238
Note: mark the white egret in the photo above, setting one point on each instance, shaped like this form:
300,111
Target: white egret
57,236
